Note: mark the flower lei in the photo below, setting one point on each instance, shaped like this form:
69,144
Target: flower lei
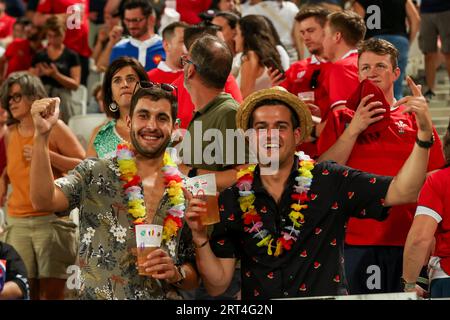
135,196
252,219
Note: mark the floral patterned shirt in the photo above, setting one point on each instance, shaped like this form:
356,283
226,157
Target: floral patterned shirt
107,261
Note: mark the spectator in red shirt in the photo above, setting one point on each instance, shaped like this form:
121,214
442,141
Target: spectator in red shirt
20,53
173,43
368,242
431,222
76,36
6,24
185,105
190,9
339,79
302,78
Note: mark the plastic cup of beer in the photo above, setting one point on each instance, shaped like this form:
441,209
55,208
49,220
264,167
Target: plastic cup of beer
212,215
306,97
148,239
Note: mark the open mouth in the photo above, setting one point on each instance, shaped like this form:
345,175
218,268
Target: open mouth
151,137
272,146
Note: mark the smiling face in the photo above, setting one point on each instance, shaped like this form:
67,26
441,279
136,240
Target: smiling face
276,136
122,86
378,69
151,126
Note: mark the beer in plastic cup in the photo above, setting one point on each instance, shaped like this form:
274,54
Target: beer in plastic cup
306,97
148,239
212,215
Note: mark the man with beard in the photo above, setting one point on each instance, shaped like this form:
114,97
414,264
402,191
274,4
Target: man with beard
287,228
143,44
110,192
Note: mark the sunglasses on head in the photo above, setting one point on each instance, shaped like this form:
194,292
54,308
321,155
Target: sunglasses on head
149,84
313,83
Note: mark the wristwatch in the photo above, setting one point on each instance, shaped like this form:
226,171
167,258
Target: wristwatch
407,286
182,273
425,144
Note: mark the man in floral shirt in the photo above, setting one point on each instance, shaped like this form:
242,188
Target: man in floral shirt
107,249
288,227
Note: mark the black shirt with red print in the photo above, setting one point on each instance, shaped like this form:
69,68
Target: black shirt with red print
314,265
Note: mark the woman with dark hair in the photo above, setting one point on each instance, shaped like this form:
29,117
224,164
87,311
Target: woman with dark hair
45,243
255,40
119,82
58,67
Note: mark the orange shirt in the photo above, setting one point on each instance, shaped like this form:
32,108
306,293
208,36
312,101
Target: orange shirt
18,169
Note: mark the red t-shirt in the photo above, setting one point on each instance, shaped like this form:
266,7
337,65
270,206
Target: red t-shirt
337,82
185,105
76,38
6,26
434,198
383,153
190,9
19,55
161,75
298,80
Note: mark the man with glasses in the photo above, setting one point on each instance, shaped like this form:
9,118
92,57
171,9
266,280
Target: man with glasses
143,44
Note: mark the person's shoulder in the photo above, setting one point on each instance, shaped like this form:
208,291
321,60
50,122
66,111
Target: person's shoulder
228,104
123,44
440,176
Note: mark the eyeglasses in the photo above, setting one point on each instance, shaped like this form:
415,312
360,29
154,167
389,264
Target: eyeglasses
16,97
184,61
148,84
313,83
135,20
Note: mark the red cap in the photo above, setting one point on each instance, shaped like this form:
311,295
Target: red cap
365,88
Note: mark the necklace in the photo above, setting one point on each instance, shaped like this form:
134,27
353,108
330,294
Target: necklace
135,196
252,219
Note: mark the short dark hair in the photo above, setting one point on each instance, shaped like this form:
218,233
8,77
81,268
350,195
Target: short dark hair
169,31
275,102
349,24
30,87
194,32
313,11
212,59
112,69
231,18
145,6
23,21
155,94
380,47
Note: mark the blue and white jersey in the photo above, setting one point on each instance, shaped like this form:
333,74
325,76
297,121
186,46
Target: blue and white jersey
149,52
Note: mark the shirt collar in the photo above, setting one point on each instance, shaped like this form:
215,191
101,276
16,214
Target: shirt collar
314,60
146,43
259,187
348,54
164,67
213,103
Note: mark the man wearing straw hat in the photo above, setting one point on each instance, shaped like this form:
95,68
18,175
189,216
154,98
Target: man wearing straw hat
288,227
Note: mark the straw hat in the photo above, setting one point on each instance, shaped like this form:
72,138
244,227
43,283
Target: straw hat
275,93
